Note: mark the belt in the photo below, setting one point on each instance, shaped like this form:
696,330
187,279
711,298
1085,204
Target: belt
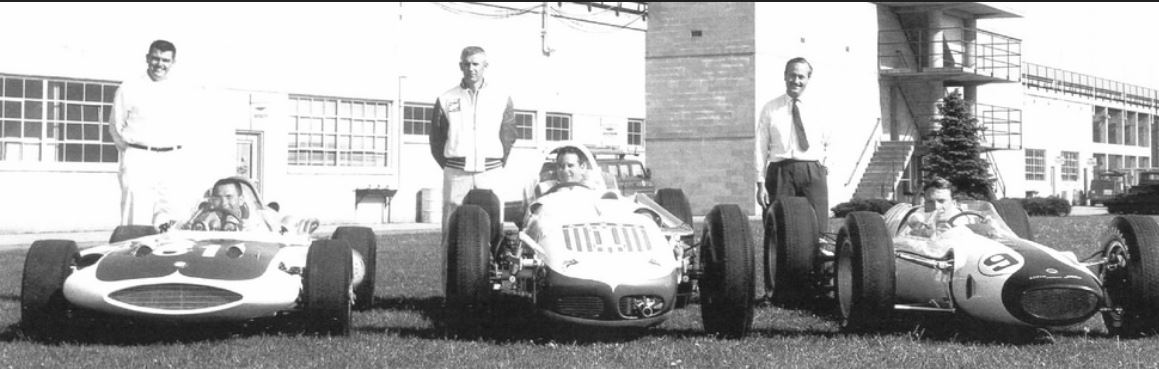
791,161
461,163
150,148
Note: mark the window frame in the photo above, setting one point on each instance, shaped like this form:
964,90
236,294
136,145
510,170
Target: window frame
1035,164
52,142
569,130
385,134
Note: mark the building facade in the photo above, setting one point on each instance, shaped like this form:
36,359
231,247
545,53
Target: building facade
330,102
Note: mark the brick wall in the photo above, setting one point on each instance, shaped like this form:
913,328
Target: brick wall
700,77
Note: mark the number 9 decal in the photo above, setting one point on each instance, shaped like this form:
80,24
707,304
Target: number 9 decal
1000,264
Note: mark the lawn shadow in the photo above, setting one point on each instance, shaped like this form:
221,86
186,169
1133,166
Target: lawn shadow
101,329
505,319
11,298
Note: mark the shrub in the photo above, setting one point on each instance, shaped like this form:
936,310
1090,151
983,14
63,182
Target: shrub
1047,206
859,204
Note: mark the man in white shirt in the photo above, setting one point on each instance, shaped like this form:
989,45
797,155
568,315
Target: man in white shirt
149,126
793,144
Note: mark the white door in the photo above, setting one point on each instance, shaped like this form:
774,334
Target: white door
249,157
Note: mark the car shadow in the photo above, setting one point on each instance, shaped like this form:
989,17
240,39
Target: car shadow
100,329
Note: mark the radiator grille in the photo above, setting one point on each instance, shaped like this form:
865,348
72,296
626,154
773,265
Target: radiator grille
580,306
175,296
1059,303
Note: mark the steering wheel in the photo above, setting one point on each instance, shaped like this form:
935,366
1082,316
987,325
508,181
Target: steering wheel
981,218
563,185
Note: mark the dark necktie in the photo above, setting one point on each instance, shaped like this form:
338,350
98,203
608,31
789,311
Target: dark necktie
799,128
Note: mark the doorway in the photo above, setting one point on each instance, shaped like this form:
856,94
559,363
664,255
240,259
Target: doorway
249,157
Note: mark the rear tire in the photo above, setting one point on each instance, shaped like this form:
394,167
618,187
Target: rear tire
865,278
1015,217
362,240
727,285
128,232
327,287
1131,276
43,308
489,202
796,235
468,258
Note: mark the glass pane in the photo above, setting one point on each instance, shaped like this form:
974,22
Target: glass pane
56,90
72,152
357,141
368,127
344,142
330,125
303,107
358,110
51,131
92,132
315,158
344,126
92,113
72,132
106,111
12,109
34,89
331,141
380,128
292,157
380,111
92,92
331,108
330,158
92,153
316,107
55,111
344,159
11,128
73,112
105,135
75,92
292,140
315,141
14,87
33,109
32,129
344,109
110,93
109,154
356,159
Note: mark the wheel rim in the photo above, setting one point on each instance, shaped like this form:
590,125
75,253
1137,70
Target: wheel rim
845,278
1115,273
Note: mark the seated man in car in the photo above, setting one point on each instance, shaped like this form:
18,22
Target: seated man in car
229,208
572,171
940,209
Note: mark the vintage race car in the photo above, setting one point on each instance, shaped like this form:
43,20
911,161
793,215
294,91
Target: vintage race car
198,272
986,265
592,257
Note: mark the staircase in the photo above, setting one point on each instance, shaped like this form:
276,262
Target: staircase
885,170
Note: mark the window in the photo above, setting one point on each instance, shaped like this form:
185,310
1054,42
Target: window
558,127
636,132
1100,162
56,120
337,132
1099,125
416,119
1115,127
1114,162
1144,162
1070,166
1129,129
1129,163
525,125
1145,130
1035,165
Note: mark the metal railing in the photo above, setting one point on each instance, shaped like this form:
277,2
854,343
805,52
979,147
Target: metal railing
978,51
870,147
1040,76
1003,125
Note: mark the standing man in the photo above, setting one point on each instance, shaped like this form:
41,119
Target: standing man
472,131
149,128
794,142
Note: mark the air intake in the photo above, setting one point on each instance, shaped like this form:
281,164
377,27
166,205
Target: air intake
175,296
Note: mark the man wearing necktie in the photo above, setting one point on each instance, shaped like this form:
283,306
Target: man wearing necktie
793,143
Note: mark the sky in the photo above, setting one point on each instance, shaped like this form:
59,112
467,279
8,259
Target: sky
1109,40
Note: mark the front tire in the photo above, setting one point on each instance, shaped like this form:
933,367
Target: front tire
865,278
468,258
43,307
362,240
1131,276
327,287
727,285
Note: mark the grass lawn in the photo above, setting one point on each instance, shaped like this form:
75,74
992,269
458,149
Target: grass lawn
406,328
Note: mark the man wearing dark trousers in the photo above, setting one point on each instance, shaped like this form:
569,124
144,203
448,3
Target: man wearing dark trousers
793,142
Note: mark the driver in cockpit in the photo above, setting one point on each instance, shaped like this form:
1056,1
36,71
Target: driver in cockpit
940,212
571,172
228,209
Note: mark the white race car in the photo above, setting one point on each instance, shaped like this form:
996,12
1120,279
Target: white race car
198,272
592,257
983,263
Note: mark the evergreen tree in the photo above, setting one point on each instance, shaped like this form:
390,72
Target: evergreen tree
954,151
